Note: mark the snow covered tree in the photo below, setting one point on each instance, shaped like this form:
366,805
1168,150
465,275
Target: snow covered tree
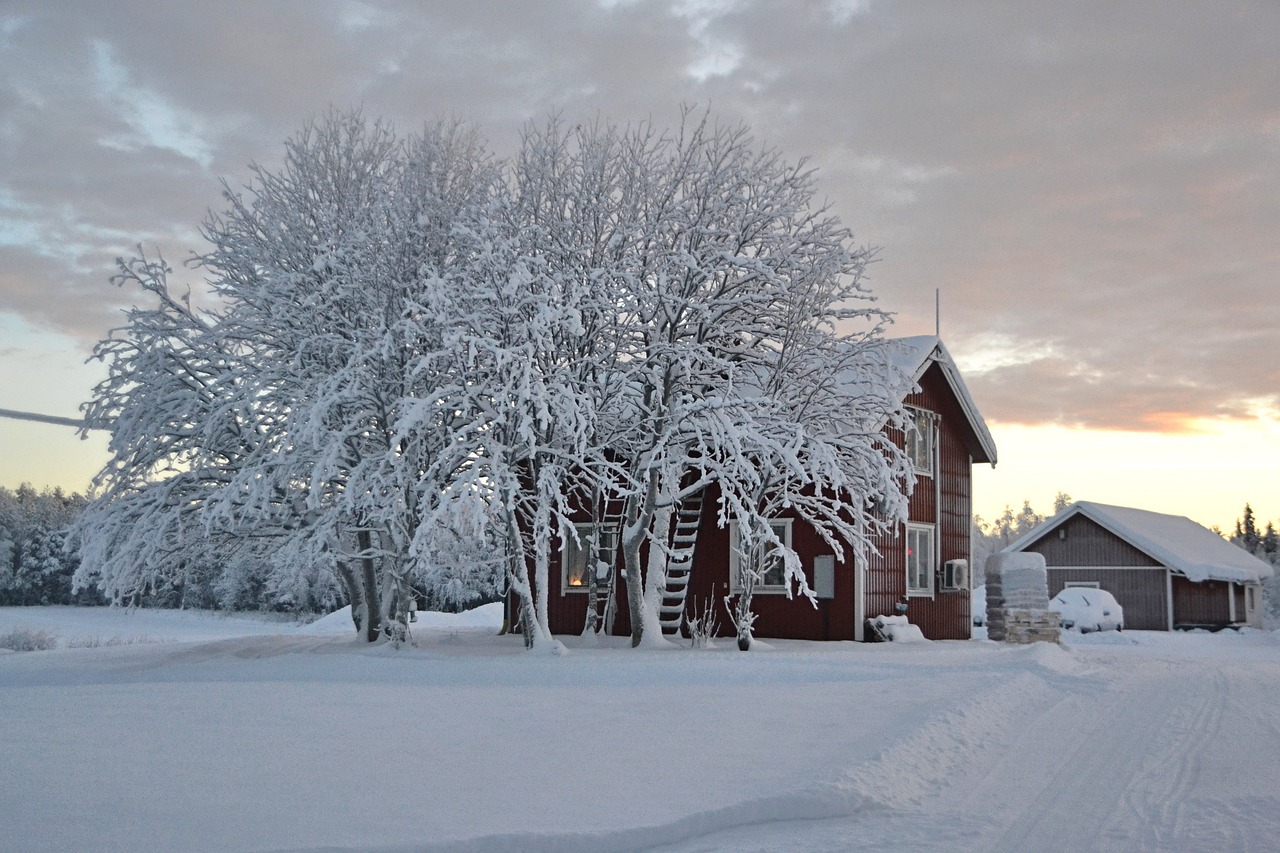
416,349
274,417
36,564
1247,531
725,338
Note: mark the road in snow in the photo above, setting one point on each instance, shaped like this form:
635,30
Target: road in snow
306,739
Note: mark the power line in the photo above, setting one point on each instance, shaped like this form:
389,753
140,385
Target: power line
44,419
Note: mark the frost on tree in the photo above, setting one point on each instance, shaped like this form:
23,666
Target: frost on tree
274,418
423,360
726,338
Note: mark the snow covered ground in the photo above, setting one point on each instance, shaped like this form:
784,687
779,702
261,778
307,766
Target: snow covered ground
231,733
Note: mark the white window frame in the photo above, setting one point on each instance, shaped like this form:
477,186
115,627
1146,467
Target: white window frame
781,527
1250,599
914,553
920,441
572,554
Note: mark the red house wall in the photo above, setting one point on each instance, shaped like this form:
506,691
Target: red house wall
944,615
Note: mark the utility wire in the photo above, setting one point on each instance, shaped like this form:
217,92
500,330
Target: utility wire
78,423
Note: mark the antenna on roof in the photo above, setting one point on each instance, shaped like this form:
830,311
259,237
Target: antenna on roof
937,312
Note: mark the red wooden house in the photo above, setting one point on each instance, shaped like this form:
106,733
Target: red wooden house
1166,571
922,564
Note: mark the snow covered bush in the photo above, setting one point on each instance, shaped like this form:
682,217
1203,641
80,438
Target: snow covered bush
28,640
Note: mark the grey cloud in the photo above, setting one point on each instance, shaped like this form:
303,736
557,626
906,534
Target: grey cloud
1097,179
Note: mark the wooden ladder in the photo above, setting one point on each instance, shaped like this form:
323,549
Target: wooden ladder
680,565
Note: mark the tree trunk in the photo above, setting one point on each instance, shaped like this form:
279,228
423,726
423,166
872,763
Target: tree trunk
638,515
369,577
354,596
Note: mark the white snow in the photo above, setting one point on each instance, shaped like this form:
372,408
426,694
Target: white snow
203,740
899,629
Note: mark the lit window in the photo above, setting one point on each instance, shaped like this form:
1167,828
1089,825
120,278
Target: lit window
772,572
920,440
919,559
575,568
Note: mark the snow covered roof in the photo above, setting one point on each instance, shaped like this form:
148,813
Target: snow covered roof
1174,540
914,355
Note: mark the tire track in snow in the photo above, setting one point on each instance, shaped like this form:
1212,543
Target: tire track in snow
1129,759
906,773
1175,774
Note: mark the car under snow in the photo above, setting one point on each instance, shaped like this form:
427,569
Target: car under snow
1086,609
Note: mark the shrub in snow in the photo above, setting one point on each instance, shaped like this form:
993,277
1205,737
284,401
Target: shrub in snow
28,640
702,623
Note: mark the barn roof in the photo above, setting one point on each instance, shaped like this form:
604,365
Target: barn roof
1174,540
914,355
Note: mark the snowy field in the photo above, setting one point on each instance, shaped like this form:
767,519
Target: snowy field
199,732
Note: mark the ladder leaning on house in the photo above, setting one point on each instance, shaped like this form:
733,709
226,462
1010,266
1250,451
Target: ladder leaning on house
601,602
680,564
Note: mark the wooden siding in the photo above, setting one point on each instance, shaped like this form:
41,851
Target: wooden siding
1142,592
1206,604
944,615
1087,543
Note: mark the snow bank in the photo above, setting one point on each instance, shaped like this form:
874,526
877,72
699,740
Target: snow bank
485,616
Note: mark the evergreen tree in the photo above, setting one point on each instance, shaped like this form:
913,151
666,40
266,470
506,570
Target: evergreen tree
1249,531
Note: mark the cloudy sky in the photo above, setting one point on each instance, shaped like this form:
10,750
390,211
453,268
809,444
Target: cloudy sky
1093,186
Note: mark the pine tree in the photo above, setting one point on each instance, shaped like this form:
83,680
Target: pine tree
1248,531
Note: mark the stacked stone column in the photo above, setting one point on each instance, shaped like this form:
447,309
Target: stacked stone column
1018,600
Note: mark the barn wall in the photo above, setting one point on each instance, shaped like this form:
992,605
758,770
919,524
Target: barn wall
1087,543
1201,604
1143,593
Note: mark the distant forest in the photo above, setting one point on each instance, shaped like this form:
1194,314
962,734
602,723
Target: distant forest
39,559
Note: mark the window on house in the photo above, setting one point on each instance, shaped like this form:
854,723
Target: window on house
920,559
1250,599
1085,584
920,441
578,560
772,574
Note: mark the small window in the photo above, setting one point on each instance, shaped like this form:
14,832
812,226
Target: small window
773,576
1250,599
575,568
920,556
920,440
1084,584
